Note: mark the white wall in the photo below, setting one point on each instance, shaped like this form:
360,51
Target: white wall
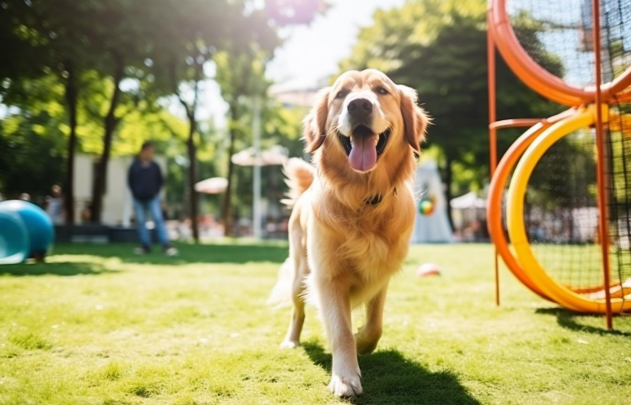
433,228
117,201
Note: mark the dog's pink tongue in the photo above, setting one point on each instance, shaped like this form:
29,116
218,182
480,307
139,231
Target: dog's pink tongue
363,156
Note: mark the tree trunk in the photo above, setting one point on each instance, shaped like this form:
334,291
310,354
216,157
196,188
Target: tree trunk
190,143
192,179
226,209
109,124
71,95
448,181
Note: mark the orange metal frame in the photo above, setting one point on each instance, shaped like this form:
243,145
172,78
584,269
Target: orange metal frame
490,47
600,167
496,189
501,35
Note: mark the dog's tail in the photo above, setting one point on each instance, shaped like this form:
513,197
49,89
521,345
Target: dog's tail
281,294
299,178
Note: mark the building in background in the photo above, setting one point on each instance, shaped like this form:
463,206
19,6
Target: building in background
117,200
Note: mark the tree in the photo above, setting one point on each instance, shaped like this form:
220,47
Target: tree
241,77
439,48
52,36
196,33
190,35
288,12
30,131
34,132
122,36
241,71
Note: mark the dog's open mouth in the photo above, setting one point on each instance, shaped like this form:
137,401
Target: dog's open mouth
364,147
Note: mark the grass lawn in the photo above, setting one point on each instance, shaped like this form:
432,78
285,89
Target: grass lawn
97,325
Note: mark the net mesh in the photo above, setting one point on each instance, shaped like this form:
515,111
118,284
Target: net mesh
557,34
618,185
561,212
561,209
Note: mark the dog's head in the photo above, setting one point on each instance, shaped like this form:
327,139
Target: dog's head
364,119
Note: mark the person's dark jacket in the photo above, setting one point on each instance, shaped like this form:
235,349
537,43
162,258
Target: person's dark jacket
144,181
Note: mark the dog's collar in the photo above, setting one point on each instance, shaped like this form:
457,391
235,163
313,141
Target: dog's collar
376,199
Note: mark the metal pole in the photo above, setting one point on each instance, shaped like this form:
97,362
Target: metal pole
600,168
256,134
490,47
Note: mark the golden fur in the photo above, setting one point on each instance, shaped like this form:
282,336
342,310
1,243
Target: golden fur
343,251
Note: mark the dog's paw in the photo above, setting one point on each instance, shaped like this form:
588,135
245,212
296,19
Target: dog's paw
289,344
366,346
345,386
366,343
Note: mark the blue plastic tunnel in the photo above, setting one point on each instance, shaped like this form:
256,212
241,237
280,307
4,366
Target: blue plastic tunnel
14,241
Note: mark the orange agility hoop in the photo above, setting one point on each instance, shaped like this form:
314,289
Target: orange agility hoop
590,299
538,78
496,191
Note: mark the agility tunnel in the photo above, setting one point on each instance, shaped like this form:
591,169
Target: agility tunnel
26,231
559,204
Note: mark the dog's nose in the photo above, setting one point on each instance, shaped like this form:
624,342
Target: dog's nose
360,107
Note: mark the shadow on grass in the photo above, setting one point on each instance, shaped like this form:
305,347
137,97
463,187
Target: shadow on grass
568,320
389,378
53,269
211,253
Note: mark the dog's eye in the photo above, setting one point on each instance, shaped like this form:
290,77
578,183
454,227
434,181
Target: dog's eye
381,90
341,94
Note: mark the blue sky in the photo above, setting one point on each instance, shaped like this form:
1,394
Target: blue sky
314,51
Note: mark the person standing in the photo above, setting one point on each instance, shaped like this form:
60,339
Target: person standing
145,182
54,205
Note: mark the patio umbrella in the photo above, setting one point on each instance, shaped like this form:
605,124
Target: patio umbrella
276,155
214,185
466,201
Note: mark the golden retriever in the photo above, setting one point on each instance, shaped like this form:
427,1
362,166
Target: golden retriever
353,213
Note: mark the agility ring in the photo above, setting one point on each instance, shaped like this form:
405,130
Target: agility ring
496,191
517,230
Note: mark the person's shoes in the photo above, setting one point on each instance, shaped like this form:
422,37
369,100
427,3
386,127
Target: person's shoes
170,251
142,250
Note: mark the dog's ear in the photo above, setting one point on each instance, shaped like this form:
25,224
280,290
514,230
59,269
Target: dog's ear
414,118
314,125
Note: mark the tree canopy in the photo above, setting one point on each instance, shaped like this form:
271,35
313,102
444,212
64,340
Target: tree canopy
102,76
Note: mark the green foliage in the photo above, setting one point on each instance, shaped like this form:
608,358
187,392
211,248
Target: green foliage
116,65
34,134
30,158
565,176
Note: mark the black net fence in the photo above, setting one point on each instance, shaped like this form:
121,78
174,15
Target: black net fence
618,185
558,34
561,213
561,209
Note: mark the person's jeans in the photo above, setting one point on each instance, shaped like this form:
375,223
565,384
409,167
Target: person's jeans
141,208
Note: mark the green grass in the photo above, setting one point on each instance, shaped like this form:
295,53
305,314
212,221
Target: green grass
97,325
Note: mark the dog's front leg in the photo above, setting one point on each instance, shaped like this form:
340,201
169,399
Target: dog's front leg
369,335
335,307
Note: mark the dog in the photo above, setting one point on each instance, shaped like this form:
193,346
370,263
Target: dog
352,213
